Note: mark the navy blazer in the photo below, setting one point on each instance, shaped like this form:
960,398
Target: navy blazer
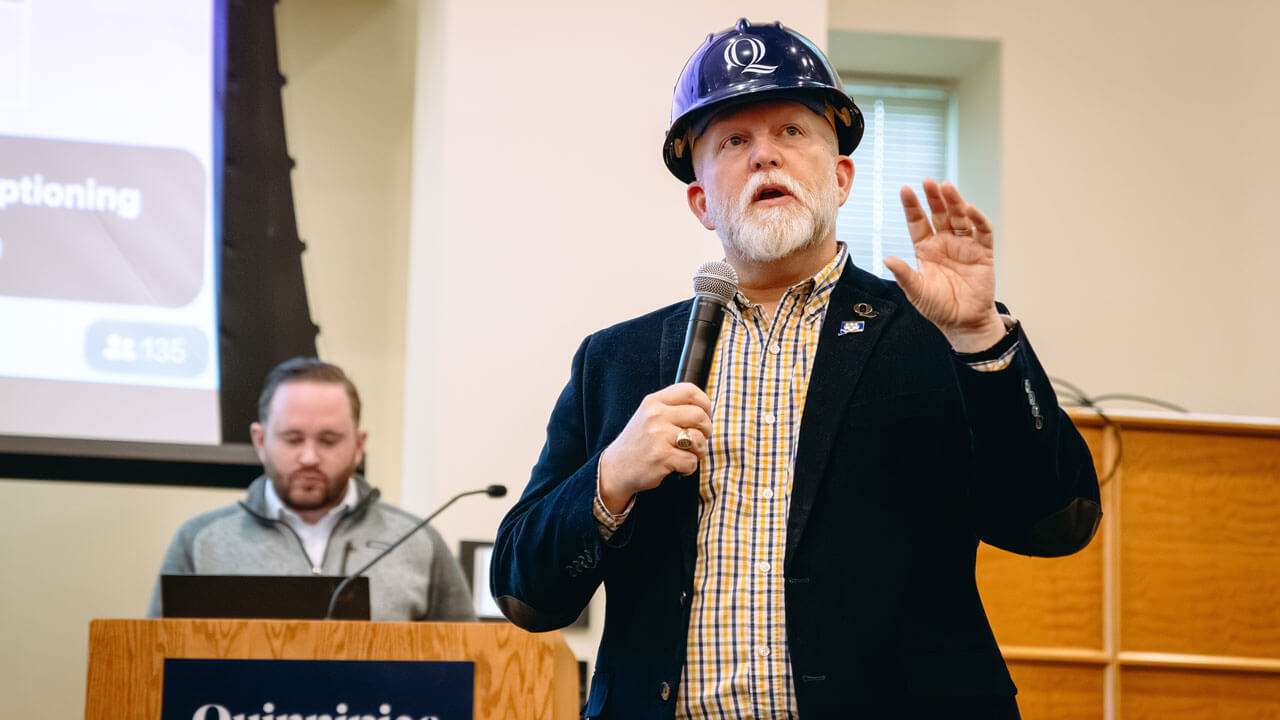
906,459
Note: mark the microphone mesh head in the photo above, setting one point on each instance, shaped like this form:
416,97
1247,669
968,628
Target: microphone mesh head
717,280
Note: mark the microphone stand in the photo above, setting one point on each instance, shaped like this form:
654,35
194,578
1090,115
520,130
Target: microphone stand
491,491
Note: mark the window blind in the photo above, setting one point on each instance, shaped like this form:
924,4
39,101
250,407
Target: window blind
904,142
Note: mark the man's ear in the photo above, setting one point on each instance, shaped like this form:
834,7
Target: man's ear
844,176
258,434
697,198
361,436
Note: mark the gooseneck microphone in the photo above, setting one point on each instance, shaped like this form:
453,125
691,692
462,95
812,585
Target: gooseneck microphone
714,285
493,491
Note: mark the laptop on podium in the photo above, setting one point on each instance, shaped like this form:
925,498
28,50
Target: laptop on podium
274,597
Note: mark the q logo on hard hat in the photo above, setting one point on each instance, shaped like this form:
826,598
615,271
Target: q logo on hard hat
755,52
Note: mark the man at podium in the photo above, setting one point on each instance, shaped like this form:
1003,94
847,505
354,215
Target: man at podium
310,513
798,537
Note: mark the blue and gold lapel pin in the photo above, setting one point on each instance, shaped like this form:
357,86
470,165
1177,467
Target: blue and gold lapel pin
851,326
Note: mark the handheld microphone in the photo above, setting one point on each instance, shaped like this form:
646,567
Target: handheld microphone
714,285
493,491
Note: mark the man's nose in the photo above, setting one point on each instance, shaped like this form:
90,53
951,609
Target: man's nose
765,154
309,455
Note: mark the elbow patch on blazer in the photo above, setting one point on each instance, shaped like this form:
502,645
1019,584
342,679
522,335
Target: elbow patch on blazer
1067,531
530,618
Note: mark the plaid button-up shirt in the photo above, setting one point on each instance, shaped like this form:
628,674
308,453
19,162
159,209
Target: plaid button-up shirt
736,663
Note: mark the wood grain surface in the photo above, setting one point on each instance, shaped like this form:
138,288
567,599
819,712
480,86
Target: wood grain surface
1173,611
1058,691
1046,602
1200,544
519,676
1043,601
1165,694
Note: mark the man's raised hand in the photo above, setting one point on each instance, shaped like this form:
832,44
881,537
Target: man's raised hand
954,282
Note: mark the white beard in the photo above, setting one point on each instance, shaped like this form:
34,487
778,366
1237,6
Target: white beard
765,234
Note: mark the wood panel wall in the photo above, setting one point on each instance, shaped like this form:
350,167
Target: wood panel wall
1173,611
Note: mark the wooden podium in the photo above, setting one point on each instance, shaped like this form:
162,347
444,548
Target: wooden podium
518,675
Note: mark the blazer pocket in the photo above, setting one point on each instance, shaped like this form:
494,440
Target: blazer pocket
898,409
598,695
977,671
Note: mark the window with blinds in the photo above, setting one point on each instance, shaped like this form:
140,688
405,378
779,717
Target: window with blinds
906,140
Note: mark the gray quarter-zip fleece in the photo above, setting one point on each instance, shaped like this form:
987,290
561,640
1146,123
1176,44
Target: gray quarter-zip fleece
420,580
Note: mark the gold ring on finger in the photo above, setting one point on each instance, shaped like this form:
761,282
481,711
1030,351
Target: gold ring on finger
683,441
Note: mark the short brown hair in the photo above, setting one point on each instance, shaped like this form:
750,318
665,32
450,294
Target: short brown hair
305,368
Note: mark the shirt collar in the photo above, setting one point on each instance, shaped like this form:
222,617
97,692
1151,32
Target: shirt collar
818,287
825,281
276,508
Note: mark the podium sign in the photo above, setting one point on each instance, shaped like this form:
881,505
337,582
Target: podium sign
221,689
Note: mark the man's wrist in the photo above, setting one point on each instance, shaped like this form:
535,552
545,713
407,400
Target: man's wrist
615,501
997,357
978,339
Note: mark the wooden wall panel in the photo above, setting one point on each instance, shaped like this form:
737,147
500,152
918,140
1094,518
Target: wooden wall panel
1168,694
1046,602
1200,544
1043,602
1174,610
1058,691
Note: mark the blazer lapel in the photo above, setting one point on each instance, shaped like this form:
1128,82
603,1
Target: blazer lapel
686,488
837,369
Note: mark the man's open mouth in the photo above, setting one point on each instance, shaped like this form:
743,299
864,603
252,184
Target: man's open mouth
770,192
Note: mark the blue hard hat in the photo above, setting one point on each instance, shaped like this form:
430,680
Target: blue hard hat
751,63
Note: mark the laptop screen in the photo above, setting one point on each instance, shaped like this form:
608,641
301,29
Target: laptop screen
277,597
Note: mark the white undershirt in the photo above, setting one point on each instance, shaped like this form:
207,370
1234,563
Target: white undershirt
315,536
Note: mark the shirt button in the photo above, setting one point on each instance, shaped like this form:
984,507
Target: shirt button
769,418
767,494
775,348
763,651
764,567
665,692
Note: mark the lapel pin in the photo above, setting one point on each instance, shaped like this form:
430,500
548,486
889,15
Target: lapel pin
864,310
851,326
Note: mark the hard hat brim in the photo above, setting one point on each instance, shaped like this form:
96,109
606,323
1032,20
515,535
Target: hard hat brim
677,151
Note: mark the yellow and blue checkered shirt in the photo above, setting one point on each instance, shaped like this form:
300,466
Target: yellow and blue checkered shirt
736,662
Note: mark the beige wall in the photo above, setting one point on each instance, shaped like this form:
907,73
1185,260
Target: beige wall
72,552
479,186
1137,164
348,115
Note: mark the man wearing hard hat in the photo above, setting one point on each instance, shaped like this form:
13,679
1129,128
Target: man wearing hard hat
799,539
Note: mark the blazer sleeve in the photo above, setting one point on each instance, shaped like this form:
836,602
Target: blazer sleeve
1035,487
549,555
